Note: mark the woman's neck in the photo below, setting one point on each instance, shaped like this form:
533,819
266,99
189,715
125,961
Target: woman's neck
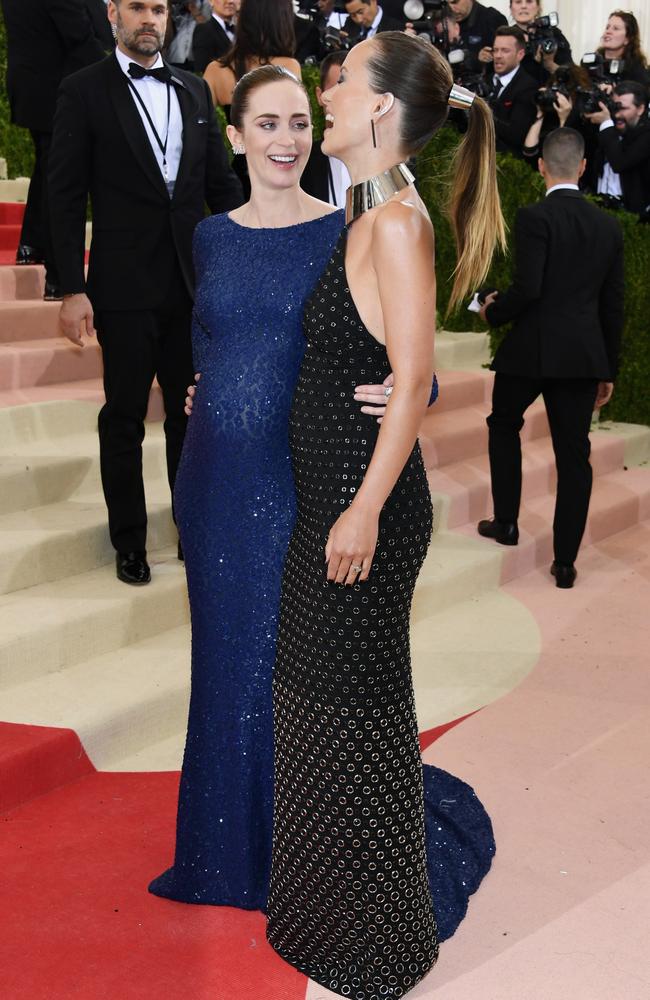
268,209
618,53
372,165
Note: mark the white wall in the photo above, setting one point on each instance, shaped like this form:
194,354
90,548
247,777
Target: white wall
582,21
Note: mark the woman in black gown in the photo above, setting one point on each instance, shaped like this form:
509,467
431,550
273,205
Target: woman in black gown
350,904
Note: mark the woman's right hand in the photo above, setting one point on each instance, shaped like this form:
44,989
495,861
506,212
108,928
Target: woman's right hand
564,106
191,392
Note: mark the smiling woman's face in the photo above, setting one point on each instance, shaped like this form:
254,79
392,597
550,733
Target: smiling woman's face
276,133
349,103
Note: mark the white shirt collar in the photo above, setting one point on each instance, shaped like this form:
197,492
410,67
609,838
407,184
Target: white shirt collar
507,77
229,31
372,30
125,61
562,187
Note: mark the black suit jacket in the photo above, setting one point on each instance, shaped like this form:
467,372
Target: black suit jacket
46,40
629,156
100,147
566,298
514,112
98,14
210,42
478,29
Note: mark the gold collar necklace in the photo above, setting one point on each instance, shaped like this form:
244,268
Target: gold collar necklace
376,190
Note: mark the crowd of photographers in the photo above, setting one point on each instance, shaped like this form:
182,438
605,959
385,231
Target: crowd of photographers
525,69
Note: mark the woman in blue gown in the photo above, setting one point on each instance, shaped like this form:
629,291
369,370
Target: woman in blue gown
235,507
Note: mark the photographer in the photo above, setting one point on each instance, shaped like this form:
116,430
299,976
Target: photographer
513,92
546,46
622,41
183,18
623,164
366,18
556,108
318,24
215,37
477,26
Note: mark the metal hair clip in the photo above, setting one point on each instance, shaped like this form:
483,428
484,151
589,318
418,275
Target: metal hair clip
461,98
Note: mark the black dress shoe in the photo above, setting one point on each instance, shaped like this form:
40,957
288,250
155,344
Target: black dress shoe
181,557
503,532
53,292
565,576
29,255
133,568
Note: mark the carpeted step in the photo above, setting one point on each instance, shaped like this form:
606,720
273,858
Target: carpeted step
35,760
21,284
461,350
118,702
50,626
12,213
462,388
45,362
10,236
31,320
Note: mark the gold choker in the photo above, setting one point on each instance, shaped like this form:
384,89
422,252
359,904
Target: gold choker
376,190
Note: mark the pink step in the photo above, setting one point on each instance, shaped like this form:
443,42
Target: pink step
30,320
468,483
44,362
463,388
84,390
20,283
619,501
456,435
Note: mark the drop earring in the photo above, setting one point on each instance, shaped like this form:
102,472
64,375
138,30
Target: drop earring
374,134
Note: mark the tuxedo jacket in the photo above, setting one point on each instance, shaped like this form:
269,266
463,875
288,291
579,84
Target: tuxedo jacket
98,14
100,148
210,42
566,298
46,40
514,112
629,156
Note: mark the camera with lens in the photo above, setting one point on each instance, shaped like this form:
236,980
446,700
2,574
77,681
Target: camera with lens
467,71
331,38
544,35
601,70
546,97
423,14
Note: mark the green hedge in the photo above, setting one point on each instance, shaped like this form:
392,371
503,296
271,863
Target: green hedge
519,185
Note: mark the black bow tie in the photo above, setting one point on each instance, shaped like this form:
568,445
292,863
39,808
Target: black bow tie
139,72
230,26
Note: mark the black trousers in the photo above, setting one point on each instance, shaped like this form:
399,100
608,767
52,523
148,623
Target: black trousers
569,404
137,346
36,231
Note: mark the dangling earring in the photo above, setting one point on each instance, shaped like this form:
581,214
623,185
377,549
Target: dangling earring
374,134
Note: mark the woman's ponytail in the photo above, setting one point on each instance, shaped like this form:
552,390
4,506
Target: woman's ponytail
474,206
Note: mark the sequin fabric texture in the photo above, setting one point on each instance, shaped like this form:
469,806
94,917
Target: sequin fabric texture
350,903
235,507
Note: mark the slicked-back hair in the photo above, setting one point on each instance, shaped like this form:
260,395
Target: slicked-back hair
563,152
512,31
637,90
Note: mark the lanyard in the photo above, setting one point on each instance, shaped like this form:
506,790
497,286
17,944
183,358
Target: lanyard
161,145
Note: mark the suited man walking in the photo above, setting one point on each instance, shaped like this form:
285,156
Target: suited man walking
566,307
143,142
46,40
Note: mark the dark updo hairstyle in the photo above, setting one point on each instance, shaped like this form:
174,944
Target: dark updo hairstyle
633,50
252,81
421,80
265,30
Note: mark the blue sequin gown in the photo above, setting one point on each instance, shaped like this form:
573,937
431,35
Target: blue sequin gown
235,507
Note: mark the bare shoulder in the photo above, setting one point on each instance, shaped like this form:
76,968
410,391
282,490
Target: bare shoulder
288,63
403,230
221,81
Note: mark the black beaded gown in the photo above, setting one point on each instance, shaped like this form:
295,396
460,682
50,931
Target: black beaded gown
350,904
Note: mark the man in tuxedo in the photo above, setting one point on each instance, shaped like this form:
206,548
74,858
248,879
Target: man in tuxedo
213,38
143,141
366,18
46,40
623,159
513,91
326,177
566,307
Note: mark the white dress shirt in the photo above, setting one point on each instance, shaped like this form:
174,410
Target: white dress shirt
506,78
340,182
562,187
372,30
229,31
609,181
154,94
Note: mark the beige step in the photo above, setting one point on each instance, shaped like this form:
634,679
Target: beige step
461,350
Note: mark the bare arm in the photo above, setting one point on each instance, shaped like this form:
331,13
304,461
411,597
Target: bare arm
408,298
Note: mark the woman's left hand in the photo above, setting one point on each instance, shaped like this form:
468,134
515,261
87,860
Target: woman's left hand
351,546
